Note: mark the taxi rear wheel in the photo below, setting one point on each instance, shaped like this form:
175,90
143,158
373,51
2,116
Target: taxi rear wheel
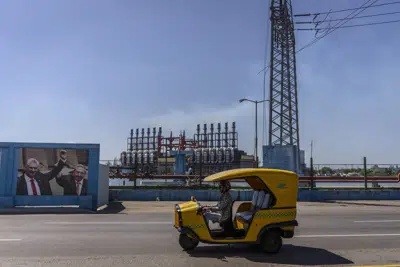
187,243
271,242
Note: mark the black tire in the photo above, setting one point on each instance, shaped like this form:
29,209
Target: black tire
271,242
187,243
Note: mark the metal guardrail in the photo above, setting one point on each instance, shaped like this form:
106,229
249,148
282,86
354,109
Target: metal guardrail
368,181
302,179
339,179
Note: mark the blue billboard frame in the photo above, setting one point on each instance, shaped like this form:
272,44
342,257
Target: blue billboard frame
9,172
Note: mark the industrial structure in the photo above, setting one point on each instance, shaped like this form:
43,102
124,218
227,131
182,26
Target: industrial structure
215,149
211,149
283,149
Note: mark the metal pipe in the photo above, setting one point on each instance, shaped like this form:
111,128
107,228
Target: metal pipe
212,135
219,135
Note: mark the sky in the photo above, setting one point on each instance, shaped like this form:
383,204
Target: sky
89,71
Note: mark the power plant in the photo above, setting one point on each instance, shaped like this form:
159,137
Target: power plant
217,149
212,148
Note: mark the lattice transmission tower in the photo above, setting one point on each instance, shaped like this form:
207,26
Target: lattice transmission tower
283,107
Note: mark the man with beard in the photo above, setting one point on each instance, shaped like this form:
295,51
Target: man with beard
74,184
34,182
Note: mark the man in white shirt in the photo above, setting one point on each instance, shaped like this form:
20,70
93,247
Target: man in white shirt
35,183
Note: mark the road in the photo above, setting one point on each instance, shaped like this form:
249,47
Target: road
328,235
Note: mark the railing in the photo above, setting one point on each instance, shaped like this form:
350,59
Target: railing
358,175
312,182
302,179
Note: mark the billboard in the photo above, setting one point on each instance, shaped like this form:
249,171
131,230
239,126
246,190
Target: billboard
52,172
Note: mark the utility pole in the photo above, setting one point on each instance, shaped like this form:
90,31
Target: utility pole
283,107
256,137
255,102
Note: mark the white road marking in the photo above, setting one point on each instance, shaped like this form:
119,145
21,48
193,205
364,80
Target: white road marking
345,235
377,221
107,223
10,240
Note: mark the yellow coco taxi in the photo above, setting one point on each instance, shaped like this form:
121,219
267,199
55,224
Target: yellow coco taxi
269,217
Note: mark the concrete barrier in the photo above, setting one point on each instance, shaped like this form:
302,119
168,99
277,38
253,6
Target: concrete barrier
326,195
246,195
175,195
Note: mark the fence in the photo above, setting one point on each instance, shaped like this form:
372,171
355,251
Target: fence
317,176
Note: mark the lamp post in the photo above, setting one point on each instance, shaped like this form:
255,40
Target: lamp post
255,102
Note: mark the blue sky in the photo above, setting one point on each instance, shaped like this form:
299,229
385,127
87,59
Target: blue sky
88,71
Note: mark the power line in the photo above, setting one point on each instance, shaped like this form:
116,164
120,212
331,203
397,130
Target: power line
362,7
343,10
332,29
360,17
335,27
352,26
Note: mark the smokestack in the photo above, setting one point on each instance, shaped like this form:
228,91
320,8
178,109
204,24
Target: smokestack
148,139
218,135
142,141
205,135
234,134
226,134
137,139
198,134
131,141
154,138
212,135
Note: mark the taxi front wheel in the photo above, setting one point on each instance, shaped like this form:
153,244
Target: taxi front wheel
271,242
188,243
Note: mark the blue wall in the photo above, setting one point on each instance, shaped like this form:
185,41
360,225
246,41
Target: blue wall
246,195
103,185
9,173
283,157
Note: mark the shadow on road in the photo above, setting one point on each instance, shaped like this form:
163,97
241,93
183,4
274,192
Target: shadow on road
289,255
111,208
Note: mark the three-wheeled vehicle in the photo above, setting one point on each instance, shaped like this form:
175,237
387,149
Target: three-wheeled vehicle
269,217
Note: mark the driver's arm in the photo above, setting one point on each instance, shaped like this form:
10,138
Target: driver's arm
213,208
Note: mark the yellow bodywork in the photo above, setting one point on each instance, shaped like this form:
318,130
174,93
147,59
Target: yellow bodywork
282,184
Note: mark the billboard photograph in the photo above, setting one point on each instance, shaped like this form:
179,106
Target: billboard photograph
52,172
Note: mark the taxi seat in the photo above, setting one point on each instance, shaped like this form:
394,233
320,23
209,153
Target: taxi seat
261,200
245,214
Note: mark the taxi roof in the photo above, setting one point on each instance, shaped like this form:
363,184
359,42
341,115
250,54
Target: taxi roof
248,172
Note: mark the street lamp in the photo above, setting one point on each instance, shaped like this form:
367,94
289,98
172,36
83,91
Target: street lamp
256,122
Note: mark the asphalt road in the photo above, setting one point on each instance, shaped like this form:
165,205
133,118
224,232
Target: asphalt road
352,235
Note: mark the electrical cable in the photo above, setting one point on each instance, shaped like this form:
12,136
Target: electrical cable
344,10
316,39
347,19
360,17
352,26
335,27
